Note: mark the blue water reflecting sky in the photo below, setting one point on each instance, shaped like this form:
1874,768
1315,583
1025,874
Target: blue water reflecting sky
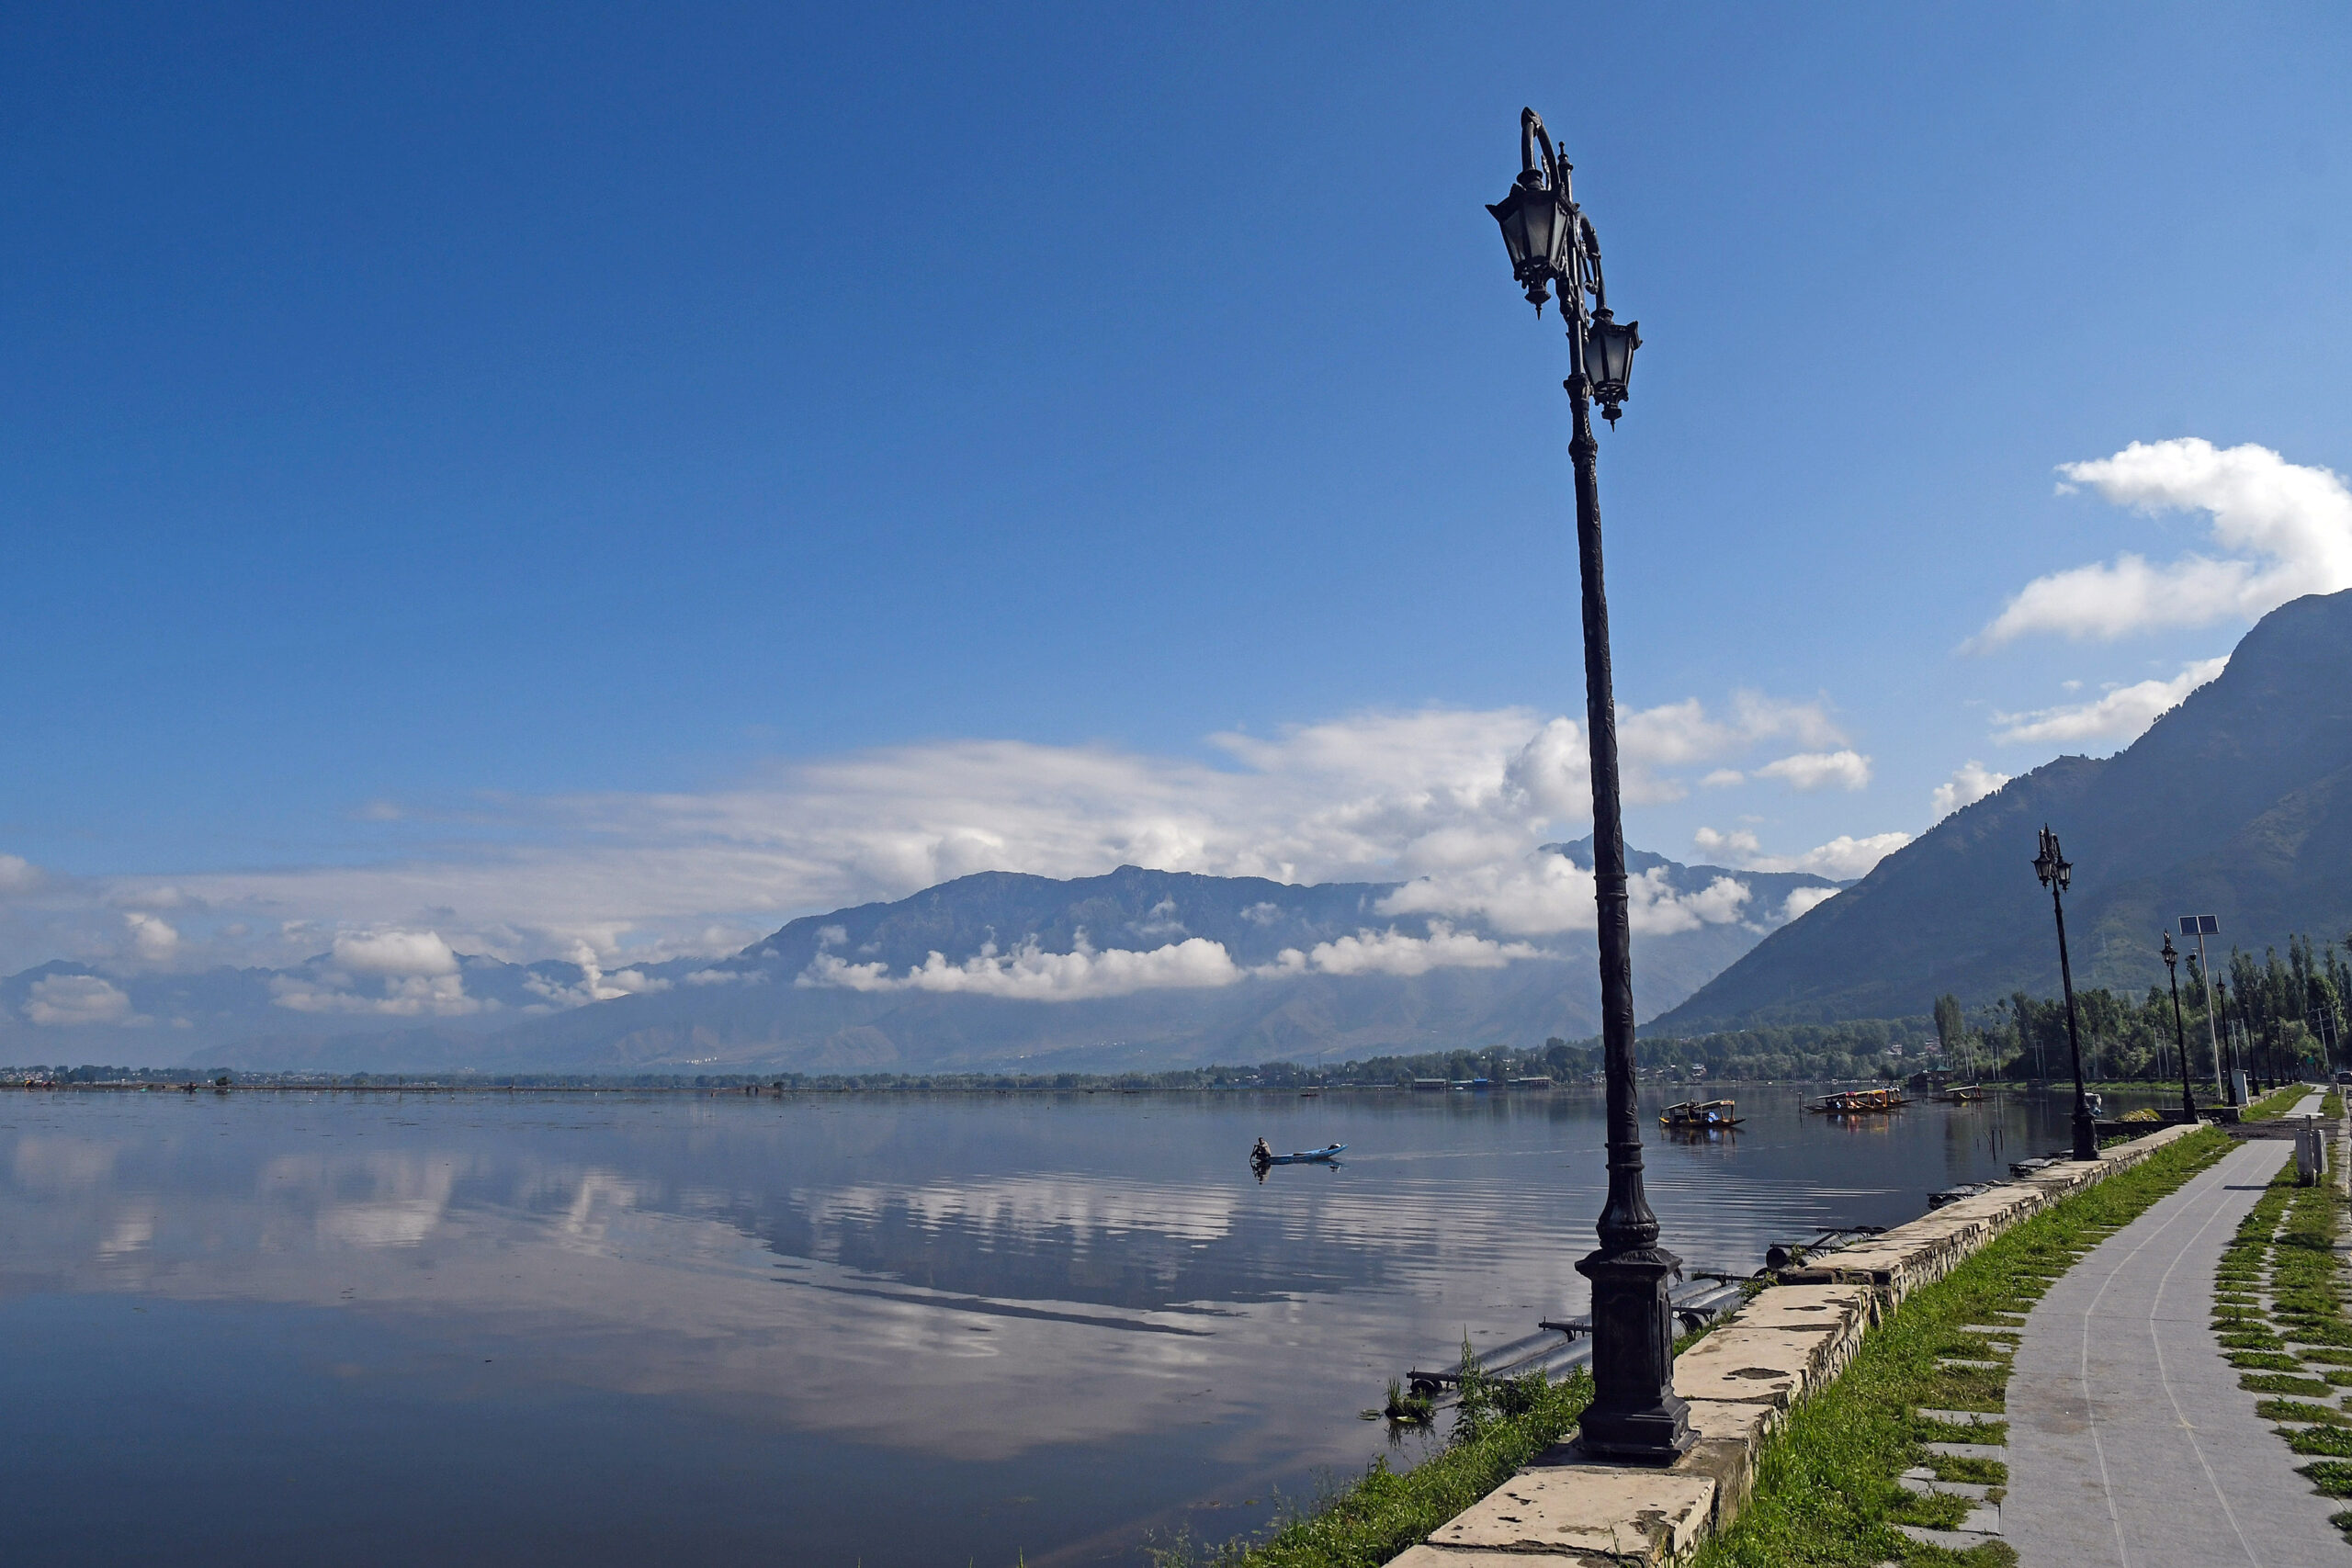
874,1330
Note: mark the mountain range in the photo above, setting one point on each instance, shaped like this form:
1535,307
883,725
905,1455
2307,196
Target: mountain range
2237,804
1135,969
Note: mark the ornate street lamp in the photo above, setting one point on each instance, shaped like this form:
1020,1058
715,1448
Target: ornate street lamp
2179,1031
1635,1414
2057,873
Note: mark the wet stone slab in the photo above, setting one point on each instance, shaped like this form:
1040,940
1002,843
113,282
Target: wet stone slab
1603,1513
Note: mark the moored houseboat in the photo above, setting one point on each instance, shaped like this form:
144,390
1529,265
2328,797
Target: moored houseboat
1860,1101
1700,1115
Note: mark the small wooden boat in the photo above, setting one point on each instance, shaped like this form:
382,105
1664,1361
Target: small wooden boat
1700,1115
1860,1101
1311,1156
1962,1094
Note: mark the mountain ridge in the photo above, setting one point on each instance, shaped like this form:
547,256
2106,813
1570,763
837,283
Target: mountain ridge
2237,802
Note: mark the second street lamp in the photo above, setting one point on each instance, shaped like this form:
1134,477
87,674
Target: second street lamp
1635,1414
2179,1031
2057,873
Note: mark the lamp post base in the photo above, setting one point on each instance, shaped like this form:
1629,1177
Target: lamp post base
2086,1138
1635,1416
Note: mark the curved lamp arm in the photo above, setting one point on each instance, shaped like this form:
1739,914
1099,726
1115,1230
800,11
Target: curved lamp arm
1532,134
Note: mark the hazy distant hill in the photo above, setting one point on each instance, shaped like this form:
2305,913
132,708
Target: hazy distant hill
839,991
2238,803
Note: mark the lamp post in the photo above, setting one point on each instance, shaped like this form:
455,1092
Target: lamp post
2217,993
2201,927
1634,1415
2057,873
2179,1030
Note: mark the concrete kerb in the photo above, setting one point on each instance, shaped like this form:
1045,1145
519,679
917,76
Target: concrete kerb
1741,1379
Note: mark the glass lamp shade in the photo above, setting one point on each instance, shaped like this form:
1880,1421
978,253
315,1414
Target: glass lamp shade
1608,359
1535,233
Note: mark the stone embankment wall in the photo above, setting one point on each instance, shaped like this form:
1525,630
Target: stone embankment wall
1741,1379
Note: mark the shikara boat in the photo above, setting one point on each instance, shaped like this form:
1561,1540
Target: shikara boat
1962,1094
1860,1101
1699,1115
1311,1156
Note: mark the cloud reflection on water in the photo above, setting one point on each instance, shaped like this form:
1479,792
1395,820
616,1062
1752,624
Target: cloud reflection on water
953,1278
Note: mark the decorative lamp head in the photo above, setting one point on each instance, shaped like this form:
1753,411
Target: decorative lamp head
1537,219
2051,865
1536,230
1609,360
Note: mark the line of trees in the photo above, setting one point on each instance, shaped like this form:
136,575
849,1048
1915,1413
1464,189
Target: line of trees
2277,1016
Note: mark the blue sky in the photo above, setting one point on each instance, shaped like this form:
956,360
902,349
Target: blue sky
446,450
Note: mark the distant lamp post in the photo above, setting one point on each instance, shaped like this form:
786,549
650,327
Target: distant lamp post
2056,871
2219,996
1634,1415
2179,1030
2201,927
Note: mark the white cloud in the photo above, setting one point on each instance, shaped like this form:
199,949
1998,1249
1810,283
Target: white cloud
2279,530
1970,783
1393,953
729,976
403,996
1543,894
1720,903
1030,974
1842,859
152,940
1819,770
1802,900
593,985
1534,895
19,875
2122,713
1739,841
62,999
394,952
1723,778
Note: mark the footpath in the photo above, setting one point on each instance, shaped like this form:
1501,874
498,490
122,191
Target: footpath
1741,1381
2130,1439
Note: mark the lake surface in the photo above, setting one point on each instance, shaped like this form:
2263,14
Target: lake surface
865,1330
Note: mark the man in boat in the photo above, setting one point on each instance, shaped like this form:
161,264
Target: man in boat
1260,1153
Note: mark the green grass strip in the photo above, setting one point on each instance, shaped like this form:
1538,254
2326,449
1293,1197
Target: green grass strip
2289,1239
1385,1511
1826,1491
2277,1103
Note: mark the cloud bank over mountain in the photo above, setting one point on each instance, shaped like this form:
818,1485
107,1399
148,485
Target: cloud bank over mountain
1455,800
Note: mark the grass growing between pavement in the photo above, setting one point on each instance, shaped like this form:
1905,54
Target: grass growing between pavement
2302,1343
1827,1490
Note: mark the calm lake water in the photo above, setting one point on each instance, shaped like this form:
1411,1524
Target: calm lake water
872,1330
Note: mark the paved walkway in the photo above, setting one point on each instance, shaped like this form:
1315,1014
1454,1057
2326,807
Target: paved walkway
2129,1441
